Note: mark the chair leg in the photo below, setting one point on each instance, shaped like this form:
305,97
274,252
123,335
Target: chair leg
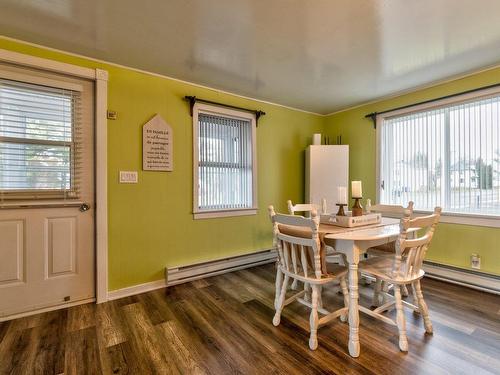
320,296
279,282
345,292
376,292
422,306
404,291
415,299
313,320
400,320
307,295
281,302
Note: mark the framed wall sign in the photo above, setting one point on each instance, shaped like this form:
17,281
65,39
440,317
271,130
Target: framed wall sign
157,141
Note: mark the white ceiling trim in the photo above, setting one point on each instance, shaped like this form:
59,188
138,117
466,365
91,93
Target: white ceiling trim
157,75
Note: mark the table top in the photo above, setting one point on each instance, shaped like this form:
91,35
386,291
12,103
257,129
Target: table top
388,227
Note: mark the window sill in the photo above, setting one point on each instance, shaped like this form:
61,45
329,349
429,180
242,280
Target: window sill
491,221
221,213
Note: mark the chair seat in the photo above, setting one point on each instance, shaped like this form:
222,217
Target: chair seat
381,268
333,272
386,249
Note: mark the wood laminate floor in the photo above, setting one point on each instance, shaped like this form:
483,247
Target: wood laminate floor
222,325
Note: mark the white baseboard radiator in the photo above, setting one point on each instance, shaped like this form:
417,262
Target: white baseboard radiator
182,274
469,278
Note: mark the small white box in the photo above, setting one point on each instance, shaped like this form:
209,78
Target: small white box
349,221
128,177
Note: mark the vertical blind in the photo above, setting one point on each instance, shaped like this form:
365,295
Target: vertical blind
39,141
224,163
447,156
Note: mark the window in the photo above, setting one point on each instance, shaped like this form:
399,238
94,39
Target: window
38,140
445,153
224,162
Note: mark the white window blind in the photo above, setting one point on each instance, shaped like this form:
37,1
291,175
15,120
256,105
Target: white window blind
225,163
446,156
39,141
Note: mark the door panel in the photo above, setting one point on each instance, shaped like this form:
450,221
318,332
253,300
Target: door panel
47,255
60,234
11,252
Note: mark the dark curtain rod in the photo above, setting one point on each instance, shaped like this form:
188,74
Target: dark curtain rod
193,99
373,115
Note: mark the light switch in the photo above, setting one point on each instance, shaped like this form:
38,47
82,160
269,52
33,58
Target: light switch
128,177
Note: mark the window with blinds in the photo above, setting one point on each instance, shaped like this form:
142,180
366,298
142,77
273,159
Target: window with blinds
39,141
444,155
225,170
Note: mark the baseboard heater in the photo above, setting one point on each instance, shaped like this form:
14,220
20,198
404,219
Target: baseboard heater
182,274
469,278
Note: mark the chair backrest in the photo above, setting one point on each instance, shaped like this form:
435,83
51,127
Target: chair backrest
305,208
393,209
294,249
410,252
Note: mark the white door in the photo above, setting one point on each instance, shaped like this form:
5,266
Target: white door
46,190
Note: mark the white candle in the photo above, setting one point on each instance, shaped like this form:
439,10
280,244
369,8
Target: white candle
323,206
341,195
356,189
317,139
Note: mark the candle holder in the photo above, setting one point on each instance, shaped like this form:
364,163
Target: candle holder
341,209
357,209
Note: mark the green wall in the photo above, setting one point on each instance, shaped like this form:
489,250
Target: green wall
150,223
453,244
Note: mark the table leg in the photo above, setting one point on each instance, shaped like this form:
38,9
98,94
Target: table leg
353,309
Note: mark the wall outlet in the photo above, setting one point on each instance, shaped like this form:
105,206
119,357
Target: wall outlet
475,261
128,177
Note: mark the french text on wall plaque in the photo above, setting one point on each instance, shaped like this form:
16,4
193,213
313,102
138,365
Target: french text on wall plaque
157,140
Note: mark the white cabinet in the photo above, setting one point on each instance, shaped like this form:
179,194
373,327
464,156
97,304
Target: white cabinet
326,168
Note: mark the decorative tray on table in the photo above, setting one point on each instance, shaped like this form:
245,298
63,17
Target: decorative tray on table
350,221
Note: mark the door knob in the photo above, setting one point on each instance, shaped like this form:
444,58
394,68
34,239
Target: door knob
84,207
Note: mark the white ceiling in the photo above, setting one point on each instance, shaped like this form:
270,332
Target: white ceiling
317,55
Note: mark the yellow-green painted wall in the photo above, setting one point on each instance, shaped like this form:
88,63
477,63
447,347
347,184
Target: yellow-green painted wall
453,244
150,224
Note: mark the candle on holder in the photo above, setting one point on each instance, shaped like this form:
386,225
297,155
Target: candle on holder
356,189
341,195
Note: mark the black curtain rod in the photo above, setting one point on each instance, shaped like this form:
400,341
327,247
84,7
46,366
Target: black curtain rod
373,115
193,99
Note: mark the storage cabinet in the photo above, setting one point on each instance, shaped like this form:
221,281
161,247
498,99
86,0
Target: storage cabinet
326,168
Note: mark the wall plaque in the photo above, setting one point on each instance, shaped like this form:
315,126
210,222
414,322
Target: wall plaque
157,140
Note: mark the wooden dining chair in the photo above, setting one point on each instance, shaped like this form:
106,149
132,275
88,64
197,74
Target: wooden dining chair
394,211
307,254
405,267
388,249
304,208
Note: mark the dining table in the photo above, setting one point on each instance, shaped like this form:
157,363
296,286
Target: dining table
353,243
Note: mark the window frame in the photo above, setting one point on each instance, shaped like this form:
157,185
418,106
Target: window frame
447,216
43,194
226,112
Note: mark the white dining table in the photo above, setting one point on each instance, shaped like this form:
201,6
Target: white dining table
353,242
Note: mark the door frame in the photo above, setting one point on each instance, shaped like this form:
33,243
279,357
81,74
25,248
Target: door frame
100,77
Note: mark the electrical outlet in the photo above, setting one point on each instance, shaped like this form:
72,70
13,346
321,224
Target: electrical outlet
475,261
128,177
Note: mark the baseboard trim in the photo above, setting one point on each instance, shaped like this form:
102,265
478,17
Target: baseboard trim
186,273
136,289
468,278
46,309
183,274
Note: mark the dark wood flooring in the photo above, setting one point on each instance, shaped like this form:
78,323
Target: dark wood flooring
222,325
